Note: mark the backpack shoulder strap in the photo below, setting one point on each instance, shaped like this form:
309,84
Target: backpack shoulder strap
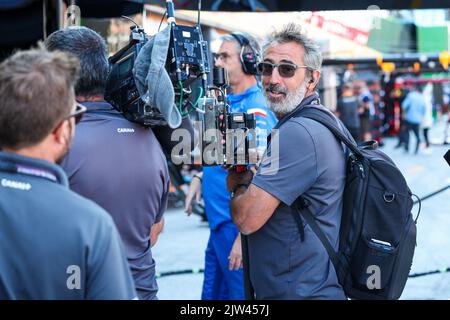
327,120
311,220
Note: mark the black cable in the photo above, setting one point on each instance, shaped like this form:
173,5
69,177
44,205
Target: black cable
420,207
129,19
248,288
216,88
179,272
199,9
162,19
432,194
198,271
421,274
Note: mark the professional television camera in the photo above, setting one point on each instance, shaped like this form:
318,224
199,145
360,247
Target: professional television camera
187,61
121,90
228,135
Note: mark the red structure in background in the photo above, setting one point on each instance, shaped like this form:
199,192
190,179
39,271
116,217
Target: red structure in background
338,28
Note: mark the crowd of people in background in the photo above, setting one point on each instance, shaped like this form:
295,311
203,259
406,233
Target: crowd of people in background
362,108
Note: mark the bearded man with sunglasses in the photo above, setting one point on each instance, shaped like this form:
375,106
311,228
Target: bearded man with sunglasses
303,159
54,244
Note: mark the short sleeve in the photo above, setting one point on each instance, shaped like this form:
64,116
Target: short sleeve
164,198
289,167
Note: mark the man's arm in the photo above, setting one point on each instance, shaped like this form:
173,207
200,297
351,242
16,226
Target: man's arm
235,257
251,208
157,228
282,177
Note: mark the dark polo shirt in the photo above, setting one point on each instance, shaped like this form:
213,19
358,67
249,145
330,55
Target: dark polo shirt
120,166
310,163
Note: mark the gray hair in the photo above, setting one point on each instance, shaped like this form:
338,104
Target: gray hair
90,48
292,32
253,42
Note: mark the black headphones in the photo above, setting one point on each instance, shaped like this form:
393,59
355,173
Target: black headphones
249,60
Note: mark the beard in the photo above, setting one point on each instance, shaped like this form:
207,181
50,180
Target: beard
287,102
68,143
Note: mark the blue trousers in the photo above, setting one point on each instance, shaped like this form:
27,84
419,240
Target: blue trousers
219,282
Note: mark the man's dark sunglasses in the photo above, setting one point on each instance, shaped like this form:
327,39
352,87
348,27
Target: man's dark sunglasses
285,69
78,113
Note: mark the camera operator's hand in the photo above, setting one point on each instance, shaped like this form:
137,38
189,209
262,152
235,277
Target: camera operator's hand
195,191
235,258
234,178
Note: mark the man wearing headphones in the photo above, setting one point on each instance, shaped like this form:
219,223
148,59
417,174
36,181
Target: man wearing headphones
239,56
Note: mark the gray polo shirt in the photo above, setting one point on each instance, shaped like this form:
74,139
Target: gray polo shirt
55,244
120,166
311,163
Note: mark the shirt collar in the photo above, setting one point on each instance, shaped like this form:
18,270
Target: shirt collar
11,162
97,106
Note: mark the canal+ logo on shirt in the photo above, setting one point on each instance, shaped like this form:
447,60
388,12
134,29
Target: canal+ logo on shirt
25,186
125,130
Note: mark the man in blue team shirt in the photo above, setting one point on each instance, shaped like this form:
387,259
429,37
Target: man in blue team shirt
54,244
223,279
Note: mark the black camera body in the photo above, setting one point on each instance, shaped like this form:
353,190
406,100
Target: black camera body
240,139
121,91
187,60
188,54
228,137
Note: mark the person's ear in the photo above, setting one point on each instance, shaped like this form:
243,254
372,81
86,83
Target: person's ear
60,132
312,83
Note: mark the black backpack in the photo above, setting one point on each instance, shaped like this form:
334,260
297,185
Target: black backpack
378,233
